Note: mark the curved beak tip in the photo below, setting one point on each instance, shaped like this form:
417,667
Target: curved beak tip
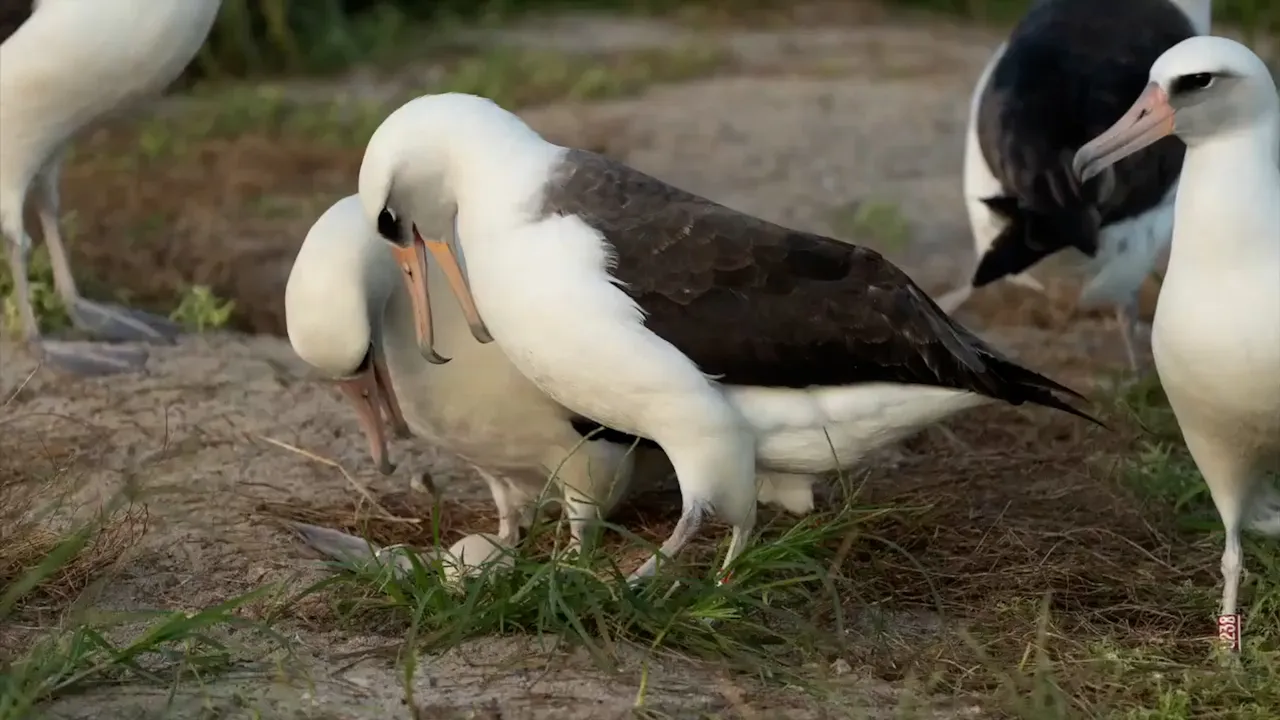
433,357
386,467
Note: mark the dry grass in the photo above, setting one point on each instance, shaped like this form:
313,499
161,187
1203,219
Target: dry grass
42,518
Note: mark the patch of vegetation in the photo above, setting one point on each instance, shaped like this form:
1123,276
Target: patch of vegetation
775,616
253,38
198,309
50,313
51,642
201,310
879,224
511,77
256,37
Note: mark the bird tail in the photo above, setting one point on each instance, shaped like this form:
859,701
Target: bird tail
1030,386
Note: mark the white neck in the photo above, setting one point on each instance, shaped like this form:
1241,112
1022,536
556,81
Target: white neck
1227,198
1199,11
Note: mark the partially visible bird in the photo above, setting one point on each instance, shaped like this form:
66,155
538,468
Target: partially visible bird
1069,70
67,65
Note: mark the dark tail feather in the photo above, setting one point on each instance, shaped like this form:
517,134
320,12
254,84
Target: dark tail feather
1030,386
1009,254
1031,236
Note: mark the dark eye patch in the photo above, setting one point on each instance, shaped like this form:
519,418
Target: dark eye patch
1191,83
389,226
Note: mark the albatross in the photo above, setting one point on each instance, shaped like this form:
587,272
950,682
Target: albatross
727,340
66,66
1216,335
1069,69
348,315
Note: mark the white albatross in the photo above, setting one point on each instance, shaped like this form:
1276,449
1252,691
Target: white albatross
725,339
1069,69
1216,337
348,315
67,66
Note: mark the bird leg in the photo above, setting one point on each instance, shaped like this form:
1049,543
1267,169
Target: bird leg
584,517
1128,322
509,510
1229,620
686,529
76,357
110,322
22,293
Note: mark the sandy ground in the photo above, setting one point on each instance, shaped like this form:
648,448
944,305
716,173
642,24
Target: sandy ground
813,120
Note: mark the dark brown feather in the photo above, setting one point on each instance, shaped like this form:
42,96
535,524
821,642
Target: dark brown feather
762,305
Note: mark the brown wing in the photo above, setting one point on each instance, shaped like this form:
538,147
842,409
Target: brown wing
760,304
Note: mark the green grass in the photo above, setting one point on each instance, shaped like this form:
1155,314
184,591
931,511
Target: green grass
198,309
1153,679
77,647
781,610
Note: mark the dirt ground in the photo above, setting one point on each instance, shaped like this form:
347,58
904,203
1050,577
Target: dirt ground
807,121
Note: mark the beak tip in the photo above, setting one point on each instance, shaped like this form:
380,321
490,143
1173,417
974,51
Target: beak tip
431,356
386,467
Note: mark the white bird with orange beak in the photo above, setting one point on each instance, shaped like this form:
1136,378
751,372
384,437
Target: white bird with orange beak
1216,336
348,314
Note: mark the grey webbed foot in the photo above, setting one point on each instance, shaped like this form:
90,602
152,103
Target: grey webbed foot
121,324
92,359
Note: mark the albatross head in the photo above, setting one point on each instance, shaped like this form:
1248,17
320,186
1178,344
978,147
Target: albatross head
414,167
333,306
1201,88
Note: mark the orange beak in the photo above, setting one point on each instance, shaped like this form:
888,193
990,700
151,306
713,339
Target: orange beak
1150,119
370,391
413,263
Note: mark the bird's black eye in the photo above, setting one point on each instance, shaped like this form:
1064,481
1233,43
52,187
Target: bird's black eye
389,226
1191,83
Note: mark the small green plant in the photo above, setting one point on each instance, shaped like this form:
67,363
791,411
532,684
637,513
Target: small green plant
201,310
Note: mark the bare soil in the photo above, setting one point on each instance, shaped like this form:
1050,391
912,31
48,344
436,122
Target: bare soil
811,120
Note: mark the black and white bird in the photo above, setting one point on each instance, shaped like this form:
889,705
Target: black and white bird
1067,72
66,65
726,339
1216,337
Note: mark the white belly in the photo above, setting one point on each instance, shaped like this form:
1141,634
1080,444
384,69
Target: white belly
1218,356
